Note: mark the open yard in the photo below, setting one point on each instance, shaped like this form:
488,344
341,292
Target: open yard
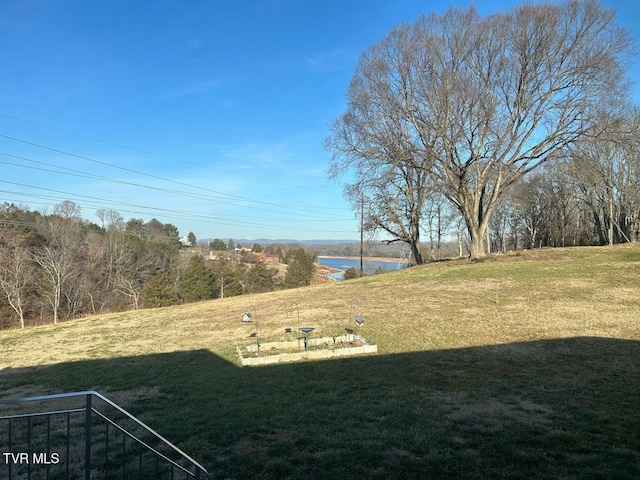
522,366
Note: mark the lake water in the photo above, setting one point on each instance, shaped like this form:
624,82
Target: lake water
369,266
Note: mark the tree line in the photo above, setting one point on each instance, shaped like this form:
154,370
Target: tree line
580,200
56,266
458,119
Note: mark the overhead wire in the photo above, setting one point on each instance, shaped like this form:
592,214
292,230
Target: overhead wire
159,155
180,214
80,174
147,152
157,177
319,215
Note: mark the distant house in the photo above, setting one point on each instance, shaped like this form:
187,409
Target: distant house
184,242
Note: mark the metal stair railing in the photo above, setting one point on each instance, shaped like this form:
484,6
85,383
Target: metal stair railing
93,437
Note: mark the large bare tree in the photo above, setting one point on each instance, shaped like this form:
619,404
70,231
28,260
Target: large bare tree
16,273
60,255
56,257
480,102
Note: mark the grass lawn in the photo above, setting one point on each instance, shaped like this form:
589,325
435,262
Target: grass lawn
521,366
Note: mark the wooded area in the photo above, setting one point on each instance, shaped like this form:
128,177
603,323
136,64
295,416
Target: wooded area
58,266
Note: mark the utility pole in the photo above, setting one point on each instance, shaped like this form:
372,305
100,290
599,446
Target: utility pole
361,234
611,215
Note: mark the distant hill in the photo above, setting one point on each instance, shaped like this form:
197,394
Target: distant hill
331,247
270,241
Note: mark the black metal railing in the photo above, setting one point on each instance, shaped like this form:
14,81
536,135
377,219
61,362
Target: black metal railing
84,435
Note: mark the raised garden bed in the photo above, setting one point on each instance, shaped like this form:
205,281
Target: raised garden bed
292,351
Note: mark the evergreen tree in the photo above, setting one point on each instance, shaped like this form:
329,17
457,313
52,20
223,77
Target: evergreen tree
197,281
300,269
158,292
261,278
217,244
227,280
192,239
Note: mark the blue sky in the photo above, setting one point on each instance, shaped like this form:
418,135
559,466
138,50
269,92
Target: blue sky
210,115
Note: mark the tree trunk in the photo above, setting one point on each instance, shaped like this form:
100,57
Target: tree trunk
415,240
415,252
599,227
610,217
57,294
477,245
477,224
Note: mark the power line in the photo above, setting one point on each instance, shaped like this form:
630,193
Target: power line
171,213
81,174
158,155
100,162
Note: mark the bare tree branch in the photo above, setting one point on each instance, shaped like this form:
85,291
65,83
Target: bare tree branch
477,102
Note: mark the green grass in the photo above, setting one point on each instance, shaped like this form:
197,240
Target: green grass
521,366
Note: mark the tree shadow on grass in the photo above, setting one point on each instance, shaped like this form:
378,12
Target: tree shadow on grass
565,408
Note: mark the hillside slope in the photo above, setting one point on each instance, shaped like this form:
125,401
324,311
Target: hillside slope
521,366
531,295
